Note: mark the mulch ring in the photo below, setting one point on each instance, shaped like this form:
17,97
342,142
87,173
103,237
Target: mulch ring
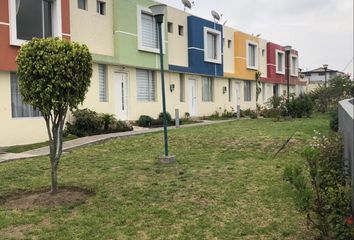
66,196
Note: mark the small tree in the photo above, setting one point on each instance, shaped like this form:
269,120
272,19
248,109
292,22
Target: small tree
258,88
54,76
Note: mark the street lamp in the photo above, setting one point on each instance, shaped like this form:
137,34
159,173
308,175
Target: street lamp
325,67
158,11
288,50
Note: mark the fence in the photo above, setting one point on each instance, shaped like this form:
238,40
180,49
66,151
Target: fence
346,126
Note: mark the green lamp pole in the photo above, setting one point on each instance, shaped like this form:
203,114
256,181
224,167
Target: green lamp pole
158,11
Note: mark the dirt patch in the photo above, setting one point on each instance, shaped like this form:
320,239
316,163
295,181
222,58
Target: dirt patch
15,232
44,199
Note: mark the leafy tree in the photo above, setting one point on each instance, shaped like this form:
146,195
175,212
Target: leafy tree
339,88
54,76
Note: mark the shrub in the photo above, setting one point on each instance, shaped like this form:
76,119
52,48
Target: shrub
333,122
168,117
250,113
229,114
86,123
145,121
122,126
300,106
330,205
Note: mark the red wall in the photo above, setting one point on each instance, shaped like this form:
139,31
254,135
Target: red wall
272,75
8,53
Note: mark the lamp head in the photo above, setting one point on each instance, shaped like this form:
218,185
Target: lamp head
287,48
158,9
325,66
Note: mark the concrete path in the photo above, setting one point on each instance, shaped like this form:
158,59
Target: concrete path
5,157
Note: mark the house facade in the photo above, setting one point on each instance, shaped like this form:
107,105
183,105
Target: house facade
318,76
209,67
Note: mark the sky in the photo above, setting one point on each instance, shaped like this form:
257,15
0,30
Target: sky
321,30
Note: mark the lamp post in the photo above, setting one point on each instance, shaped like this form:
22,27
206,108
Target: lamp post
287,51
325,67
158,12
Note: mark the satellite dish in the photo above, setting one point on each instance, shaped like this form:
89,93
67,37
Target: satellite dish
187,4
216,16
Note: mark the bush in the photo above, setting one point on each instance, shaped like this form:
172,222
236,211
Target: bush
145,121
333,121
250,113
300,107
229,114
330,208
88,123
168,117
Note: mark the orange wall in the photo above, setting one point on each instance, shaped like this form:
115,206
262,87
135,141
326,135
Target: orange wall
241,70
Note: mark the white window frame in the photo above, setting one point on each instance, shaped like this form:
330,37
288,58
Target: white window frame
103,98
205,95
141,9
296,66
98,7
277,51
56,15
256,55
218,59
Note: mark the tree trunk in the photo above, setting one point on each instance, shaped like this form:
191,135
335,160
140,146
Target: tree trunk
54,178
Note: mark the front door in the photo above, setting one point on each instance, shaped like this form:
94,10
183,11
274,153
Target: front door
192,97
235,94
122,96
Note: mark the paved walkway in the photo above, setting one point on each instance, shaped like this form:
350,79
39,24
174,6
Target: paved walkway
94,139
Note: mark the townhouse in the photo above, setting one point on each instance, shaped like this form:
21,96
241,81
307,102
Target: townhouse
209,67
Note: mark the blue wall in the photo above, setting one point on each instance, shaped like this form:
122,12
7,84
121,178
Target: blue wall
196,49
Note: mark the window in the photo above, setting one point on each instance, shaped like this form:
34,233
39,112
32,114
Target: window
146,85
102,75
263,52
207,89
276,90
180,30
82,4
280,62
252,60
212,45
170,27
264,97
229,43
18,108
31,18
247,91
148,37
182,87
294,66
101,8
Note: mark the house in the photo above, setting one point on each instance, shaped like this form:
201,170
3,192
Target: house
318,76
209,67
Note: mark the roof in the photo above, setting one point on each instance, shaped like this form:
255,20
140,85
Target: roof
321,69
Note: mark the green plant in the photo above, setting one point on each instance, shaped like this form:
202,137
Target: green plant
187,115
168,117
145,121
333,119
300,106
122,126
108,120
330,206
54,76
86,123
228,114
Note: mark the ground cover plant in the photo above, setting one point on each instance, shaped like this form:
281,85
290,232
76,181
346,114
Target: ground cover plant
225,185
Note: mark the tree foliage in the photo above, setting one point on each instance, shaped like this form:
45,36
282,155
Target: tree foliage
54,76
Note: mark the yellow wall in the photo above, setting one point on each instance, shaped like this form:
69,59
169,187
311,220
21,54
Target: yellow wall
17,131
91,28
229,53
241,70
177,45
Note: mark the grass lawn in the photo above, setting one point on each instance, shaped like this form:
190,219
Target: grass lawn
226,185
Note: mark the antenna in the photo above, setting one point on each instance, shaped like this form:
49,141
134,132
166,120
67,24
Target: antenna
216,16
225,22
259,34
187,4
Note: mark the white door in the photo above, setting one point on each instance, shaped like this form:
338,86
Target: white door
235,94
122,96
192,97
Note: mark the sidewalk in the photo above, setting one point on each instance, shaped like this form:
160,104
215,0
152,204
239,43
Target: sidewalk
44,151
